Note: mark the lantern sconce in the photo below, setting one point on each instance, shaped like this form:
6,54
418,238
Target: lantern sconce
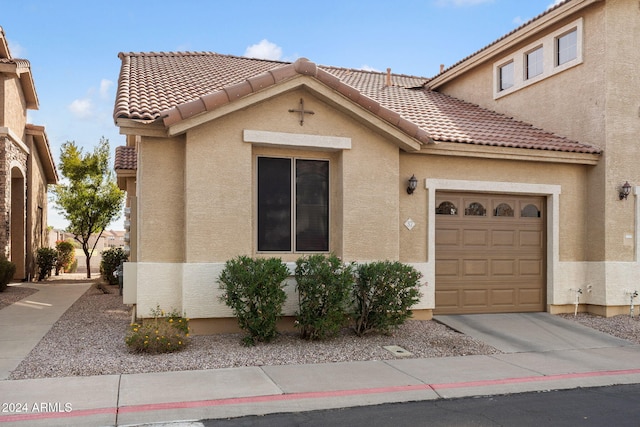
625,190
413,184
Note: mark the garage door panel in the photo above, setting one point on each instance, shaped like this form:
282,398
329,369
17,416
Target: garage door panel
531,267
503,297
448,299
475,267
447,237
503,238
491,261
475,298
475,237
531,238
504,267
448,268
530,296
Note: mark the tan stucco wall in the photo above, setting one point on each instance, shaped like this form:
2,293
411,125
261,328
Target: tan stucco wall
571,179
220,173
13,114
160,188
592,103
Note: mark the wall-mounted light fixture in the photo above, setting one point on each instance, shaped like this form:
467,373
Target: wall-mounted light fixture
625,190
413,184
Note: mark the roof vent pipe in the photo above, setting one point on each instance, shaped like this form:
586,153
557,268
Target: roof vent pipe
388,77
441,68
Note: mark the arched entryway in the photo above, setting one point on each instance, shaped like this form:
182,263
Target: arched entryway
17,224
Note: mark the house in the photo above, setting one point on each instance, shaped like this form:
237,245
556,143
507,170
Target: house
26,166
573,71
518,205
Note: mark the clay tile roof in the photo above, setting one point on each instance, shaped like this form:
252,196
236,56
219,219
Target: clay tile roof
174,86
125,158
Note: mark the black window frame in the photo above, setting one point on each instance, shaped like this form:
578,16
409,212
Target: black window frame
295,236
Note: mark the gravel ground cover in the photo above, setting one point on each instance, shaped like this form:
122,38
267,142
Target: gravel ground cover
14,293
89,340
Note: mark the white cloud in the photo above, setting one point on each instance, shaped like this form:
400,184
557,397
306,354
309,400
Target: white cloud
81,108
105,86
461,3
368,68
555,3
264,50
518,20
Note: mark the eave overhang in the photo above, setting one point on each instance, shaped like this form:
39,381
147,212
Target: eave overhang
457,149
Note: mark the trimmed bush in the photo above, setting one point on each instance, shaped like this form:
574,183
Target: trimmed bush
163,333
46,260
383,295
66,256
111,259
7,270
253,289
324,285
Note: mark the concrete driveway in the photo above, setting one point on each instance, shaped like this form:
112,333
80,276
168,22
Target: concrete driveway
529,332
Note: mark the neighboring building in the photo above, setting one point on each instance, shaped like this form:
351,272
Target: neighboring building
265,158
109,239
26,166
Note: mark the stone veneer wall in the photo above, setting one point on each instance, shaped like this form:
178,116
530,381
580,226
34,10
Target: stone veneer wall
10,154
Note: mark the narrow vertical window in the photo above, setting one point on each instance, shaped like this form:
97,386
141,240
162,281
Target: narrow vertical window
506,76
567,47
274,204
312,205
534,63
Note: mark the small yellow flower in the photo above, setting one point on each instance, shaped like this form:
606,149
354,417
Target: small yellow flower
179,342
157,338
135,329
187,335
146,342
170,320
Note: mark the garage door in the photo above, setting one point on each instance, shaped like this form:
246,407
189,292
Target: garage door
490,253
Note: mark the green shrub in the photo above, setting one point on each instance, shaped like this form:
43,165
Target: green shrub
163,333
7,270
111,259
74,266
383,295
324,285
46,260
252,288
66,256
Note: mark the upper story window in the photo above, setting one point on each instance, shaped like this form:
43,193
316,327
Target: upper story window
293,205
506,76
535,63
543,58
567,47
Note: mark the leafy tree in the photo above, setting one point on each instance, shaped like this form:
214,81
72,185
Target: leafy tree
90,199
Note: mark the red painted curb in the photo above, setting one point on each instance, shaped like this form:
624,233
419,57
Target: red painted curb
307,395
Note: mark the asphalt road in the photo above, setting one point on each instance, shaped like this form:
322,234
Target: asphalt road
603,406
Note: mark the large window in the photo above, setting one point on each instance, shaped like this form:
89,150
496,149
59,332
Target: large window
534,63
293,205
567,47
506,76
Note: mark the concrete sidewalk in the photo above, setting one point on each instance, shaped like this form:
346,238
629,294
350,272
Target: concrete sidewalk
134,399
23,324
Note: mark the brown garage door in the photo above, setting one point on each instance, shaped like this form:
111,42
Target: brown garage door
490,253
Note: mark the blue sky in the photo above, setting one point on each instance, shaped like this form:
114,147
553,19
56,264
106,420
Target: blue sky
73,46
